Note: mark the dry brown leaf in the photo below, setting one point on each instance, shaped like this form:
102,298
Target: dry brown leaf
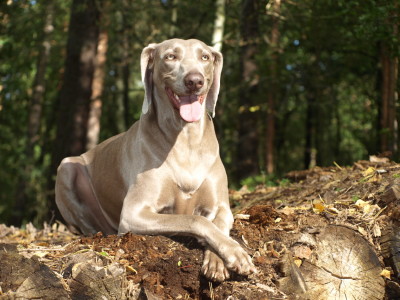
302,251
360,204
376,230
362,231
376,159
287,210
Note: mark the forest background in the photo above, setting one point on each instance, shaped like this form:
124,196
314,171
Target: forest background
304,83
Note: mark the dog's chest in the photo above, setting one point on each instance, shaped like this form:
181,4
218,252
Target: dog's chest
189,198
189,178
191,161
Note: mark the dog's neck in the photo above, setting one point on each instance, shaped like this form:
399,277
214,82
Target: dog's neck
172,125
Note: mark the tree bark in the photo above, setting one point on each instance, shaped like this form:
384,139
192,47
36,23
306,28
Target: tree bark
248,137
126,50
388,120
174,18
272,92
76,91
389,61
310,150
97,89
219,22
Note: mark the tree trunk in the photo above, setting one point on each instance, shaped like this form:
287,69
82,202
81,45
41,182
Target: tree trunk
247,153
126,50
389,76
97,89
272,92
310,150
76,91
174,18
388,120
219,22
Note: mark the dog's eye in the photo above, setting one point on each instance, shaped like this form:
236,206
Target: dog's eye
205,57
170,57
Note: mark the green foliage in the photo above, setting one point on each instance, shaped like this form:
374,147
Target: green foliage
328,61
20,40
253,182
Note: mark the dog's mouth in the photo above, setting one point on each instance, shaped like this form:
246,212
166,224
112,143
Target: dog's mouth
190,106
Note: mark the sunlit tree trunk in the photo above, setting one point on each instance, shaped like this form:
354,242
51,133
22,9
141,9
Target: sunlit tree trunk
97,89
174,18
126,51
219,22
272,90
310,149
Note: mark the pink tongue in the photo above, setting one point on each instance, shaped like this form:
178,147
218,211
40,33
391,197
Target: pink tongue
190,108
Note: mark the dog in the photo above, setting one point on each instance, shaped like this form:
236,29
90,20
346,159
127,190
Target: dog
164,176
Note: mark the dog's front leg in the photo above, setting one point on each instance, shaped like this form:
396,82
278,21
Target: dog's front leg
146,221
213,266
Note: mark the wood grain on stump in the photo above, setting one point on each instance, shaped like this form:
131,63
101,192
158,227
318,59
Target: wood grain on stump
343,266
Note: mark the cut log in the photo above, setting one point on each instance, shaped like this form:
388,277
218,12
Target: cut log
23,278
343,266
390,249
93,278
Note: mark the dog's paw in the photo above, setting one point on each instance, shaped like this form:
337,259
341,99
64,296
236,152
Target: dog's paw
238,260
213,267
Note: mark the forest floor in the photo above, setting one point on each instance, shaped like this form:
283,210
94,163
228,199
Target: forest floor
332,233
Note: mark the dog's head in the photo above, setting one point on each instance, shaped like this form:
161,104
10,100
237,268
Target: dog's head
187,71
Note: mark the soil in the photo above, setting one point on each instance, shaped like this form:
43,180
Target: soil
332,233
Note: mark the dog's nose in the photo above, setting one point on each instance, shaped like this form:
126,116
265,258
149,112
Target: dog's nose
194,81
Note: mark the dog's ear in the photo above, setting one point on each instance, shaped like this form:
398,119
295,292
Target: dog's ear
146,67
212,95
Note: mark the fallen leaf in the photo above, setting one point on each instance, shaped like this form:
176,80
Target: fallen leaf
361,204
301,251
298,262
318,206
366,207
287,210
332,209
371,175
362,231
376,159
131,269
369,172
385,273
376,229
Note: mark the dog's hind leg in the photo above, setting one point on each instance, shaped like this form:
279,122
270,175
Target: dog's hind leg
76,199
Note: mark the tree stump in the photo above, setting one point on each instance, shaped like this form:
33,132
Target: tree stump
24,278
343,265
